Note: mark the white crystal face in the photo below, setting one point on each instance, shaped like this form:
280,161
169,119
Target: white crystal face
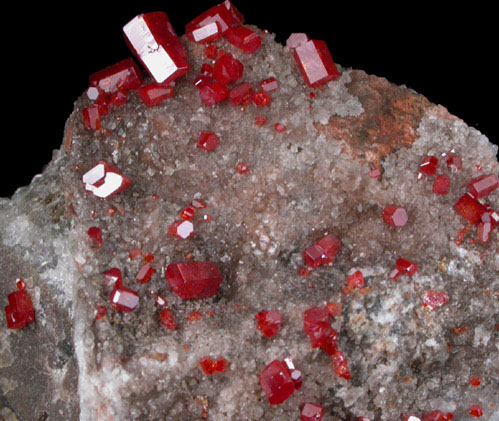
205,32
112,183
94,175
185,229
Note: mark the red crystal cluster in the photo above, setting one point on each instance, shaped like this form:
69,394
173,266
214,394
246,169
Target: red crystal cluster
20,311
209,366
279,380
268,322
323,251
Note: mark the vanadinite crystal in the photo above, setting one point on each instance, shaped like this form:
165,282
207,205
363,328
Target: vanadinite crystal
213,93
318,328
190,280
241,94
435,299
92,117
145,273
181,229
100,312
441,184
406,266
227,69
315,63
322,252
20,312
395,216
153,94
124,299
95,237
312,412
476,411
268,322
276,382
244,38
166,319
113,277
269,85
105,180
124,75
483,185
429,165
153,40
207,141
296,39
470,208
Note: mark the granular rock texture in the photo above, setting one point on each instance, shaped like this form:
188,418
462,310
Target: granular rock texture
310,180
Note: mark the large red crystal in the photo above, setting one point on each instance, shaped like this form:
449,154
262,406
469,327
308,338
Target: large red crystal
483,185
124,75
395,216
105,180
124,300
312,412
154,93
20,312
152,39
268,322
213,93
316,325
227,69
322,252
315,63
190,280
276,382
244,38
470,208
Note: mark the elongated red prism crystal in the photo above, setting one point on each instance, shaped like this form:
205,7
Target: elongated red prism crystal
315,63
322,252
124,75
145,273
124,300
191,280
244,38
209,32
20,312
276,382
483,185
92,117
105,180
166,319
269,85
470,208
312,412
154,94
153,40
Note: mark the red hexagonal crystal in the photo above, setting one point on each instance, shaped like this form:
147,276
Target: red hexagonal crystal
260,120
441,184
429,165
207,365
113,277
242,94
153,94
152,39
92,117
434,299
244,38
242,168
95,237
122,75
166,319
19,312
124,299
470,208
221,365
268,322
181,229
207,141
356,280
483,185
269,85
20,284
225,15
279,128
395,216
145,273
315,63
316,325
322,252
213,93
312,412
476,411
227,69
406,266
188,213
261,99
296,39
276,382
191,280
105,180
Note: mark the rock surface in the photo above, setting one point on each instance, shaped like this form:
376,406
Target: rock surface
307,181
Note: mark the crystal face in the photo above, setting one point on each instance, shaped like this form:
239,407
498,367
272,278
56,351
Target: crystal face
244,38
268,322
470,208
153,94
395,216
276,382
192,280
124,75
153,41
124,300
20,312
322,252
315,63
105,180
483,185
312,412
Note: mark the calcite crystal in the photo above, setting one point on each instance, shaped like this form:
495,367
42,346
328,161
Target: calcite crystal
192,246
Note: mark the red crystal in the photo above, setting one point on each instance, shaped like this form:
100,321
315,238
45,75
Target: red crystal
153,94
483,185
295,374
296,39
19,312
145,273
276,382
149,258
207,70
181,229
124,299
334,309
268,322
269,85
470,208
207,141
322,252
244,38
434,299
207,365
201,81
20,284
190,280
95,236
211,31
406,266
122,75
242,168
113,277
241,94
375,173
152,39
211,52
315,63
119,98
188,213
437,416
221,365
429,165
198,204
166,319
279,128
260,120
225,15
356,280
441,184
304,271
100,312
261,99
105,180
213,93
134,253
475,381
227,69
340,365
395,216
476,411
194,316
316,325
91,117
312,412
454,163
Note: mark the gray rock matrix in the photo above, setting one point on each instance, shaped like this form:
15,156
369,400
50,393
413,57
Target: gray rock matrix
303,183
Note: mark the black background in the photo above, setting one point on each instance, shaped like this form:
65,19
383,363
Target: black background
446,54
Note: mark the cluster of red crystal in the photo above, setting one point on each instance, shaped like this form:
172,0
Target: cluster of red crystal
191,280
268,322
105,180
354,281
435,299
395,216
313,59
279,380
209,366
20,311
184,228
323,251
403,267
429,167
312,412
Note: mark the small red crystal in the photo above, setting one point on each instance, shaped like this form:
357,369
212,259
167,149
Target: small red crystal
145,273
316,325
152,39
356,280
166,319
322,252
194,317
295,374
268,322
20,284
340,365
181,229
207,365
276,382
312,412
395,216
476,411
429,165
261,99
279,128
315,63
122,75
260,120
483,185
100,312
191,280
105,180
406,266
95,237
19,312
207,141
475,381
134,253
242,168
92,117
113,277
242,94
148,257
154,93
224,14
221,365
470,208
441,184
434,299
269,85
124,299
244,38
213,93
188,213
454,163
296,39
227,69
334,309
